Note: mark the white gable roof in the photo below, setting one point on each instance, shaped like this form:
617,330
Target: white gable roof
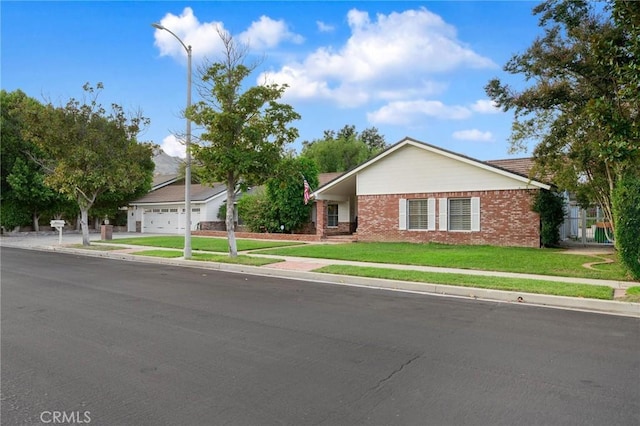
413,166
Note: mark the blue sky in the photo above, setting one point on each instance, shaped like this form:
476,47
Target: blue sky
408,68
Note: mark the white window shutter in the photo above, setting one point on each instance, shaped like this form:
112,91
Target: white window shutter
431,214
475,213
402,214
442,214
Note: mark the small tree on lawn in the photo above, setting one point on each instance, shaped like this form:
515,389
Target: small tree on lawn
244,131
88,151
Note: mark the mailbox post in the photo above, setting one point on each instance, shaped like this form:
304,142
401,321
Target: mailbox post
58,224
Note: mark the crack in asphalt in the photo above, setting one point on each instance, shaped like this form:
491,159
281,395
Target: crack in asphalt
393,373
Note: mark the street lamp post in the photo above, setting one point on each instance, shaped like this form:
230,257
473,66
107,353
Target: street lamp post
187,169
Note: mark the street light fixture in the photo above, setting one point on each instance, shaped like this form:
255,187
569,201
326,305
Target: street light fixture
187,169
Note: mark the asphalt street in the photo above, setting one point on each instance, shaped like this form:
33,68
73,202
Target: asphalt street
127,343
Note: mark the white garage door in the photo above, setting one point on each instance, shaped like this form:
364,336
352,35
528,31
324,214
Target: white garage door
168,220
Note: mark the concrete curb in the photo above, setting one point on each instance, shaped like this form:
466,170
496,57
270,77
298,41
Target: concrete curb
528,299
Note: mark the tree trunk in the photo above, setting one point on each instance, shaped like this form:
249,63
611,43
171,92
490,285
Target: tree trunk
84,223
231,234
36,222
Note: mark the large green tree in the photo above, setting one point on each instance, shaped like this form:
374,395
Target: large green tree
25,197
88,151
342,150
583,104
245,131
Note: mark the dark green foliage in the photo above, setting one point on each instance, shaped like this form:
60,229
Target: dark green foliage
25,197
282,203
342,151
626,206
550,206
13,214
286,192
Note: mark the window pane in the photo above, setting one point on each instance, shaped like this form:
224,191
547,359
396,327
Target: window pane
417,214
460,214
332,215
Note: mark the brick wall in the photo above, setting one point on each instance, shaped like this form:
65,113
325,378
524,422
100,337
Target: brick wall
260,236
506,219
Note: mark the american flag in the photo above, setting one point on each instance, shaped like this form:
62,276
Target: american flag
307,192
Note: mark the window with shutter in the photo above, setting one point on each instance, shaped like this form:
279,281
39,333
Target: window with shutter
459,214
418,214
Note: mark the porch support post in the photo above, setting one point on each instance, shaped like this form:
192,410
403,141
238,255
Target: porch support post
321,218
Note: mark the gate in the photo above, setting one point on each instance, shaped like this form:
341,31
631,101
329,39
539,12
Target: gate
585,226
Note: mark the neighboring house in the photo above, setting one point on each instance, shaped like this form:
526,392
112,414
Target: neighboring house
418,192
162,209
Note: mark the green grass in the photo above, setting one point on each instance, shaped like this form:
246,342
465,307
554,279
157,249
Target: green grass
167,254
240,259
208,257
633,295
202,243
97,247
495,283
487,258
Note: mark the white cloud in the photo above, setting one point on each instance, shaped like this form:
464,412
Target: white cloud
409,112
324,28
203,37
173,147
267,33
392,53
485,106
473,135
205,40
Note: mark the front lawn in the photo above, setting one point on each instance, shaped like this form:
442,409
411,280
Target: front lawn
210,257
488,258
202,243
462,280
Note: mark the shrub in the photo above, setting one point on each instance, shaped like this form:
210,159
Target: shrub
550,206
626,210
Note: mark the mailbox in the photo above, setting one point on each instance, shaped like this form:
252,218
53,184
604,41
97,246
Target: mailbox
57,223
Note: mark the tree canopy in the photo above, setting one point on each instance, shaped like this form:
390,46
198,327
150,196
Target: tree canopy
24,195
245,131
88,152
582,105
343,150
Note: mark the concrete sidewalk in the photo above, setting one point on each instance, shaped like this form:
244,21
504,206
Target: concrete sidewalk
301,268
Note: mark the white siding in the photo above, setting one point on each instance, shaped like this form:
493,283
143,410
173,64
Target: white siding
415,170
